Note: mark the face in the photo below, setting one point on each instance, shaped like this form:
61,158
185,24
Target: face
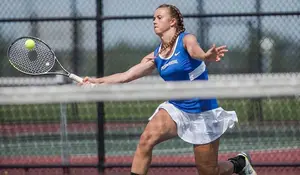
162,20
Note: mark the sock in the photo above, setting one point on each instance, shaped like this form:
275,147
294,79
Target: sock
133,173
238,163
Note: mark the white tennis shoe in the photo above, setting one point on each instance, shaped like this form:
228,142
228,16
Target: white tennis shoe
248,169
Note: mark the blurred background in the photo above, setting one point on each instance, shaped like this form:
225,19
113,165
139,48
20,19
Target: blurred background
96,38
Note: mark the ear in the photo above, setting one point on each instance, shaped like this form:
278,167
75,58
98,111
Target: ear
173,22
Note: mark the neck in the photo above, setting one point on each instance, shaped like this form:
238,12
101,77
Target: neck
167,36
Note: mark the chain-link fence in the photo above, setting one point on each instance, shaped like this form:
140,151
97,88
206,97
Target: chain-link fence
91,38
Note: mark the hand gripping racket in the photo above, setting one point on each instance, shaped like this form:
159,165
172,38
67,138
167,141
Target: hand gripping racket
38,60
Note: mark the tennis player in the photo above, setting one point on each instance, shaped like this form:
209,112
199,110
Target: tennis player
200,122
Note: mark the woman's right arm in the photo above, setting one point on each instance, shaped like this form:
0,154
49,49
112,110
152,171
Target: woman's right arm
145,67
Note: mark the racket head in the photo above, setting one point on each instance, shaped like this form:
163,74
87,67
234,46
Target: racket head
36,61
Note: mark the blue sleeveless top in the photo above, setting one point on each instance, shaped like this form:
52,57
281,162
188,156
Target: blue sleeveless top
180,66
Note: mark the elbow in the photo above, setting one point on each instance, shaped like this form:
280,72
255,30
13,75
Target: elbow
123,78
193,55
198,56
126,77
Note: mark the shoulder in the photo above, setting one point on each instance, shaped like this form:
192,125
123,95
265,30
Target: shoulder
149,57
189,39
155,52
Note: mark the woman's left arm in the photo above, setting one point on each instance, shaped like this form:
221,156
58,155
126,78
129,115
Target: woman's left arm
195,51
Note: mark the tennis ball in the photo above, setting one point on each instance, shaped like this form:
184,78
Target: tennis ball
29,44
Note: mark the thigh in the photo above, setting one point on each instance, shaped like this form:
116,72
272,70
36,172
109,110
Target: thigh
206,157
161,127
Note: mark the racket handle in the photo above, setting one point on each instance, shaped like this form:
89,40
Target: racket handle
76,78
79,79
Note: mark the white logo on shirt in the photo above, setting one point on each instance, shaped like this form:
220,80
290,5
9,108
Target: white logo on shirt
177,53
168,64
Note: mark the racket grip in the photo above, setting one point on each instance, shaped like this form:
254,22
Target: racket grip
76,78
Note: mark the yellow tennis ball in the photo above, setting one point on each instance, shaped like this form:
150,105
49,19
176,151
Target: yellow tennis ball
29,44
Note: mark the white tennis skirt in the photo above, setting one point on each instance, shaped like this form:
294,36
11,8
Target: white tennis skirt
200,128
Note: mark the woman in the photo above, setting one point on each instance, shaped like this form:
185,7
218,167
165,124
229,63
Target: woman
200,122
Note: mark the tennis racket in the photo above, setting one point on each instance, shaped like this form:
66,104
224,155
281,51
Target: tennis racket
36,61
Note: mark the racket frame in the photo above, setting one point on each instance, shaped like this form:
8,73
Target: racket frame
67,73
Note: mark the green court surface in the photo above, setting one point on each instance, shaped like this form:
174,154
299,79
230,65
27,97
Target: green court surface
125,147
272,109
121,139
279,129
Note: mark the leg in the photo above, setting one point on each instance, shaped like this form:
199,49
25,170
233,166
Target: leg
160,128
206,157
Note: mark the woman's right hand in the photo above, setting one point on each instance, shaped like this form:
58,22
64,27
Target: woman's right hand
89,80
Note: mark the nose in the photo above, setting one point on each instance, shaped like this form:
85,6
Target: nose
154,24
154,21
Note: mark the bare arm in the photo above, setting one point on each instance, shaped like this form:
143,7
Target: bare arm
192,46
145,67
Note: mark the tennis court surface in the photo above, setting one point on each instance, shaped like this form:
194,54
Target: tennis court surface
51,134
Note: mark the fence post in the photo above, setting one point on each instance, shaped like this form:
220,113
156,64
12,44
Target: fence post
100,73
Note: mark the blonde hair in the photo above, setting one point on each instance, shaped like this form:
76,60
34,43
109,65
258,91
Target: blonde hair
175,13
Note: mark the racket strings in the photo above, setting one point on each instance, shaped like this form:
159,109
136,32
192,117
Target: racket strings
38,60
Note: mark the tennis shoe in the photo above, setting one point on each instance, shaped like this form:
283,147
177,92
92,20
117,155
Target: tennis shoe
248,169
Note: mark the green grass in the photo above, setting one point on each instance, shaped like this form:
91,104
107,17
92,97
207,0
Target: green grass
273,109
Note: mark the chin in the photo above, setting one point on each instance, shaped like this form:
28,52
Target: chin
157,31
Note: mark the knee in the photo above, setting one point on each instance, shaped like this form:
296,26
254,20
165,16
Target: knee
208,170
148,140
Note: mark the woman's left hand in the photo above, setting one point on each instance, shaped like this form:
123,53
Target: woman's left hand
215,53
